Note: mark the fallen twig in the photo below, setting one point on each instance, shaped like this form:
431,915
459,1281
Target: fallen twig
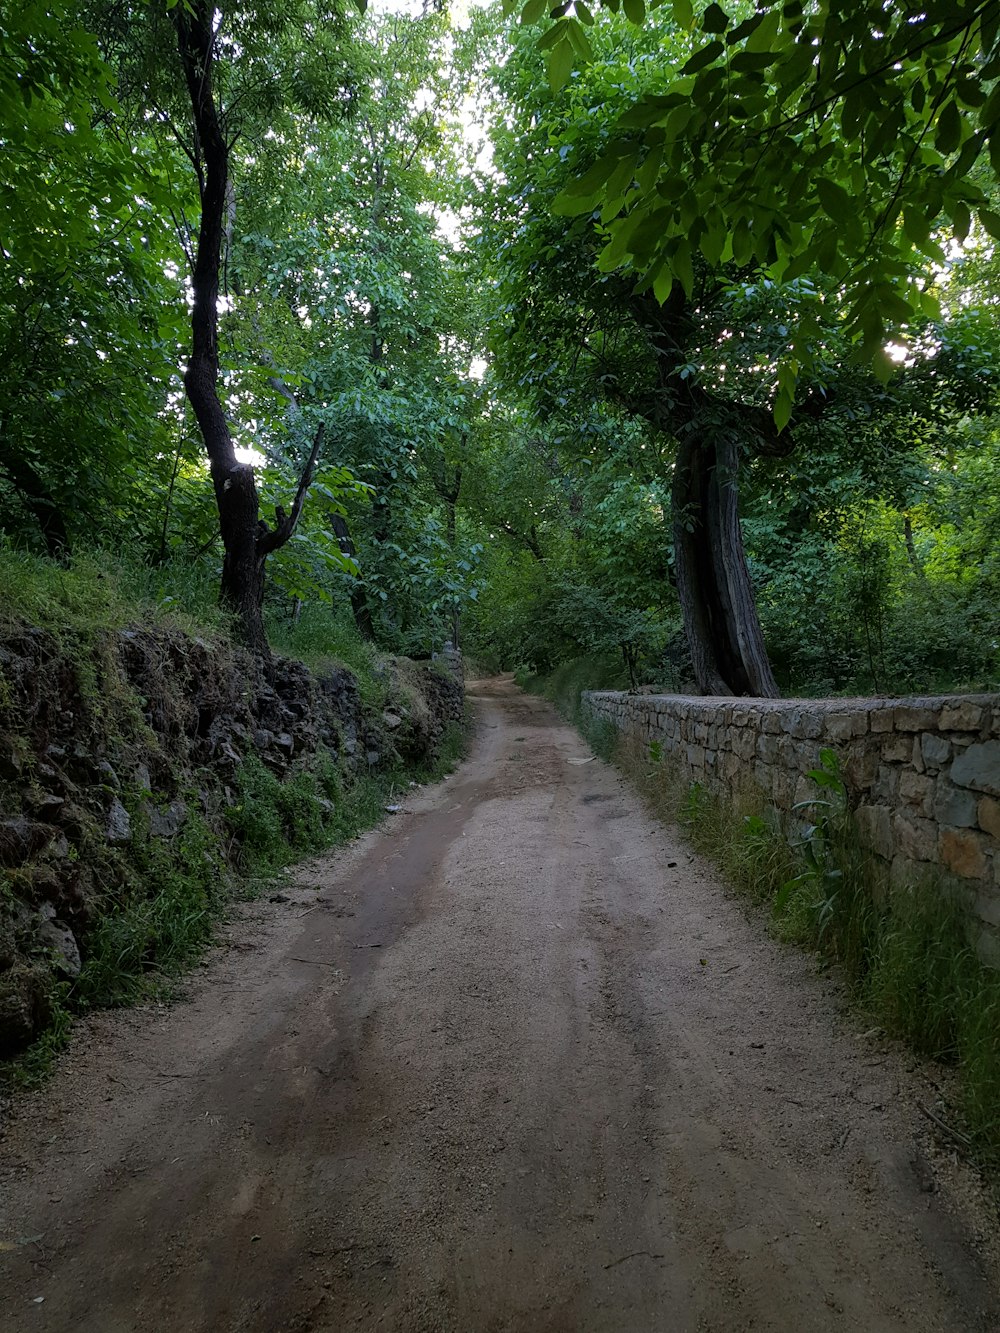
943,1124
636,1254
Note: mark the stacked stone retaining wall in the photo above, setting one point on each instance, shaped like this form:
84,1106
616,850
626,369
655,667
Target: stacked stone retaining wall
922,774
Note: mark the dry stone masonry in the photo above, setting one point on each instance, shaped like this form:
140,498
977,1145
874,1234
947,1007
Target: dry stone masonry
923,774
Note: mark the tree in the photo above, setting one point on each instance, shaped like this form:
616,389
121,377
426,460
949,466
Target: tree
246,538
831,139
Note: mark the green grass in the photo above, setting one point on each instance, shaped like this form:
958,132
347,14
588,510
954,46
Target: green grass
104,590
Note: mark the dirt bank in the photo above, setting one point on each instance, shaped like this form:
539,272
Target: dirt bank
515,1063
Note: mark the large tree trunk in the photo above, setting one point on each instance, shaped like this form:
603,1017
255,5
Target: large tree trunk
713,580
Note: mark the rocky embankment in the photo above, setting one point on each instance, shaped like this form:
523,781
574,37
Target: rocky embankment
137,767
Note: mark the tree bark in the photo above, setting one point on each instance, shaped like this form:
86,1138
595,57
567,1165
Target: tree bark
713,581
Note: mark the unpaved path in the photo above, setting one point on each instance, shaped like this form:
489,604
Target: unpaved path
520,1064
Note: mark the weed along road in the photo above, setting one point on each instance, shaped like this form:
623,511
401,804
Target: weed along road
514,1062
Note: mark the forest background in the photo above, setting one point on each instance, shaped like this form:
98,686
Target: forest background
658,341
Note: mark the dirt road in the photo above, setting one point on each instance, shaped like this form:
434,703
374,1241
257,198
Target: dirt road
519,1064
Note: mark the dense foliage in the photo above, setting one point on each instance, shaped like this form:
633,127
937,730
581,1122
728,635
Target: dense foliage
664,338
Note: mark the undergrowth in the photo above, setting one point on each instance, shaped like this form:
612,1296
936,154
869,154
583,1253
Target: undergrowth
565,685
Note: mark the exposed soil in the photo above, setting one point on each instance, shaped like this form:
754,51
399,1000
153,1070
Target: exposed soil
515,1062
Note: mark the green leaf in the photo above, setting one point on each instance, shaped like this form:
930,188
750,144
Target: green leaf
835,201
559,64
715,18
635,10
663,284
533,11
683,13
949,128
782,409
703,57
682,266
989,115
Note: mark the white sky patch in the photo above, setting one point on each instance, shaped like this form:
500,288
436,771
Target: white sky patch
247,454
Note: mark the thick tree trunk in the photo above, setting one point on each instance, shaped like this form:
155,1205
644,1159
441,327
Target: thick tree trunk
713,581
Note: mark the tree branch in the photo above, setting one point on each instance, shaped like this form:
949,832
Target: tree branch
270,541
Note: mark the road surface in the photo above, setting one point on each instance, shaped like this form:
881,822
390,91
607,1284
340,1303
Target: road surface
516,1062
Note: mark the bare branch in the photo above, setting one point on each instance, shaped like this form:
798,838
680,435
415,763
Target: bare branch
286,525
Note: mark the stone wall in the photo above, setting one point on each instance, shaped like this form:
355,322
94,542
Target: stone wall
923,775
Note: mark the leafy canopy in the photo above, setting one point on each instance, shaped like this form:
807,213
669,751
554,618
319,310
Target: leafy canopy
843,139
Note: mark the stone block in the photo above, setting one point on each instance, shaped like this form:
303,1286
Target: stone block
988,947
875,829
978,767
767,748
954,805
936,749
806,725
988,815
963,716
916,789
904,872
987,907
860,768
897,749
746,744
917,755
963,853
880,719
914,719
695,756
915,838
783,788
844,726
885,788
770,722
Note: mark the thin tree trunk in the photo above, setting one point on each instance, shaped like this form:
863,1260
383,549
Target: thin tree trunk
359,598
744,632
246,539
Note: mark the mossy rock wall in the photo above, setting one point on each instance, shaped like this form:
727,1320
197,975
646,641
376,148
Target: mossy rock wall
141,770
